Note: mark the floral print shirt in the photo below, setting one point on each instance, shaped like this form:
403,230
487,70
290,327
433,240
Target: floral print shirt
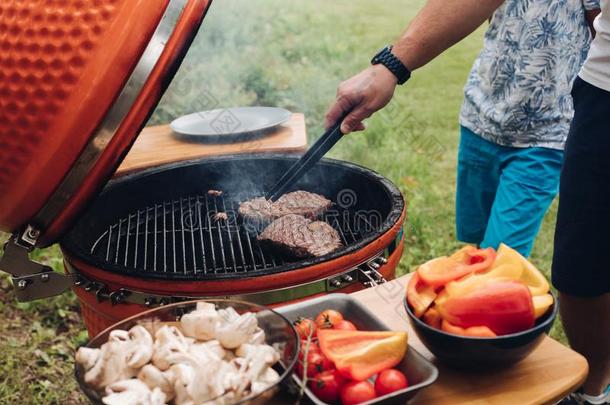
518,91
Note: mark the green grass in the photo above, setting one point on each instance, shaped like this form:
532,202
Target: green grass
289,54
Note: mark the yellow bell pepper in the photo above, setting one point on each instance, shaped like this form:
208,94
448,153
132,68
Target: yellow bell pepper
542,303
530,275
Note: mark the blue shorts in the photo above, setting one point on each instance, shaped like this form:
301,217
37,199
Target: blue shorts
503,192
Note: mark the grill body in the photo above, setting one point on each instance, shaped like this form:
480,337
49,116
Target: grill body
153,235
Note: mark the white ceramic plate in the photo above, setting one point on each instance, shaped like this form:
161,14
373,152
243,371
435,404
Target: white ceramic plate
236,121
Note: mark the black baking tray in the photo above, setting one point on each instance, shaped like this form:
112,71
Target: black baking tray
419,371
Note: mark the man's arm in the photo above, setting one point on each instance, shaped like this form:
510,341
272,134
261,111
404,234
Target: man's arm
591,15
438,26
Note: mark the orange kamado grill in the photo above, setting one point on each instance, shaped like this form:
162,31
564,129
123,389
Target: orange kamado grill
78,81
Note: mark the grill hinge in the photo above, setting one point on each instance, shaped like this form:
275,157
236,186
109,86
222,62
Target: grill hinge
369,272
31,280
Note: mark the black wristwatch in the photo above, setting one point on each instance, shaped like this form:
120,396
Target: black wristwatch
394,65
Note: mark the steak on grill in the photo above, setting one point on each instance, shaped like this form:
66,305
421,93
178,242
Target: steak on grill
300,237
309,205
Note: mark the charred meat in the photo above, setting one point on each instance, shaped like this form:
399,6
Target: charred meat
304,203
300,237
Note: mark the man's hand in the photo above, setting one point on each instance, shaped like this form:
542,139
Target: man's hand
437,27
362,95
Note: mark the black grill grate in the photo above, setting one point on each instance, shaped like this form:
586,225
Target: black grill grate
182,236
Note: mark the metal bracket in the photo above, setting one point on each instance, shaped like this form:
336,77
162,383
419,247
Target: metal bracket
31,280
369,272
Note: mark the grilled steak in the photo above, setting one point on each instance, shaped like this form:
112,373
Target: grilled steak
297,236
309,205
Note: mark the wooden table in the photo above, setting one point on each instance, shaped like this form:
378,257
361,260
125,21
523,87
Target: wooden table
545,376
158,145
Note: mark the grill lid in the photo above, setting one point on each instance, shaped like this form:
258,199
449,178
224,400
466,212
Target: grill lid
79,79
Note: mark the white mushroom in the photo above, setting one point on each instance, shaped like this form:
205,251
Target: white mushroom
168,341
110,366
138,345
201,323
264,353
182,376
132,392
87,357
205,351
258,338
198,383
155,378
141,349
233,329
266,380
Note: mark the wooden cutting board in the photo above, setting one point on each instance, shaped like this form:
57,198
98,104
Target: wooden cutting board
158,145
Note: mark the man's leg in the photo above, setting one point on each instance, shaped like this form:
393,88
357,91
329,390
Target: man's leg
586,323
477,181
528,184
581,269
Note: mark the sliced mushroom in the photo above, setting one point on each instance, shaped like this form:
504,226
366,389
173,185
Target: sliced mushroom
132,392
110,366
233,330
199,383
207,353
265,380
258,337
264,353
87,357
201,323
153,378
141,347
168,341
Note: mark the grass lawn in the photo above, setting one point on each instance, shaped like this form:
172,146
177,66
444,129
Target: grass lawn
290,54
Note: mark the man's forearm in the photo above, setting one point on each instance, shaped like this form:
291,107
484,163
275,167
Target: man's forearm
438,26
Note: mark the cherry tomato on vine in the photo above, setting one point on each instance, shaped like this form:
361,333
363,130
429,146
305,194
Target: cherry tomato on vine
327,386
344,325
328,318
389,381
305,328
316,363
357,392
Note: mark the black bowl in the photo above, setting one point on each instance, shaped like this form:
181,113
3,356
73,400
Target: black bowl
482,353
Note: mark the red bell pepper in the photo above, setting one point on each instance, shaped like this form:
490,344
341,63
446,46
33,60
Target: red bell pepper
503,306
438,272
359,355
433,318
473,331
419,295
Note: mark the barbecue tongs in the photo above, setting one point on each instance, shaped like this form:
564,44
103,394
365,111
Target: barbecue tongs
307,161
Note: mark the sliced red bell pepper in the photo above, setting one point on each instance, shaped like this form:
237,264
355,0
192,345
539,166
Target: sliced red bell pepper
503,306
438,272
359,355
473,331
419,295
433,318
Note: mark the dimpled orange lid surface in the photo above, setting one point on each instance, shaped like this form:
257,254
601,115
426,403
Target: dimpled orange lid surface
62,65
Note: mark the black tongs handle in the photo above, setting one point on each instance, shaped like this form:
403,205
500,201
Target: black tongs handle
306,162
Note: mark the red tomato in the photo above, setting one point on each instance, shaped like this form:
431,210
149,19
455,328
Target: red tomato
305,328
389,381
344,325
313,348
316,363
327,385
327,319
357,392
